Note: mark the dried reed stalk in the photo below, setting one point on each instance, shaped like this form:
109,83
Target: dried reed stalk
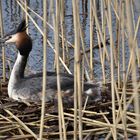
62,29
77,72
62,129
123,67
3,49
44,69
26,16
112,68
132,44
91,39
22,124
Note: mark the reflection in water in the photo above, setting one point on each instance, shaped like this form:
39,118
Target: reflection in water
12,15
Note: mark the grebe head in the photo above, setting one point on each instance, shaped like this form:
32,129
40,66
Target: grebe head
20,38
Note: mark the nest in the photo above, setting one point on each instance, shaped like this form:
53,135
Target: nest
22,121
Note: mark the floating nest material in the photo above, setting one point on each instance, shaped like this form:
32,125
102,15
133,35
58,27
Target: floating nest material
21,121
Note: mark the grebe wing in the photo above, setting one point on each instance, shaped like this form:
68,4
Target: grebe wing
66,80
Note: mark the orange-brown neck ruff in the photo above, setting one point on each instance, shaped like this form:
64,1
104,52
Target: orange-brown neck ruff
23,43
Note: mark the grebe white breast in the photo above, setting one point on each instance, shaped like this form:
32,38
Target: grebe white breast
28,88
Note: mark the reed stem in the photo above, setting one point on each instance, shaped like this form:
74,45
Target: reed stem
3,49
44,82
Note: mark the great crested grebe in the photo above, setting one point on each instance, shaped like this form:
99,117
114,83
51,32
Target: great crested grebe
29,88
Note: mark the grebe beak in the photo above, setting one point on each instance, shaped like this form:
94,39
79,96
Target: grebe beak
7,37
10,39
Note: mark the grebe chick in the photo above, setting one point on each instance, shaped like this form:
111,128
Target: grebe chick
29,88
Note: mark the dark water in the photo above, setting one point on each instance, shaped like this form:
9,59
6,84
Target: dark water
12,15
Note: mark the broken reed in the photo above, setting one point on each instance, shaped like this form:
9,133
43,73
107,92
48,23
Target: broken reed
126,34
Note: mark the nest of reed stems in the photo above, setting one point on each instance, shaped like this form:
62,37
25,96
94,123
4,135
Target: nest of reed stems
22,121
19,120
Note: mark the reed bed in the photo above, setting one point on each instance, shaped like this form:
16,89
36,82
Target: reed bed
113,49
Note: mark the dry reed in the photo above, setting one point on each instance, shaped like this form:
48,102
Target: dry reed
44,69
3,49
117,114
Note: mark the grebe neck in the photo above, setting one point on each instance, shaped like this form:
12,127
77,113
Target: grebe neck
17,73
19,68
